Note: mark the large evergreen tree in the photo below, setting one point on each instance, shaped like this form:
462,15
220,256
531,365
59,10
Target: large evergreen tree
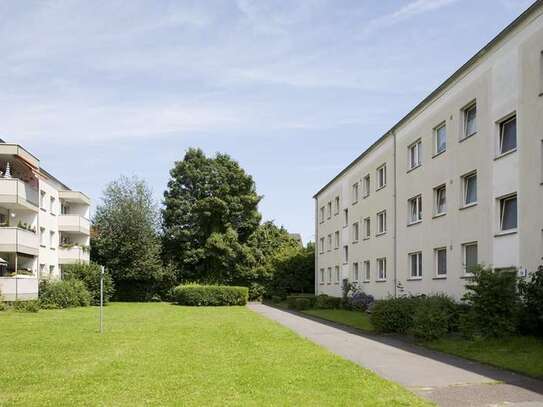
210,212
125,239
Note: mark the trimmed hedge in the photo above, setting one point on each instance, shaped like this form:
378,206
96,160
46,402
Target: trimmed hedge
210,295
64,294
324,301
292,300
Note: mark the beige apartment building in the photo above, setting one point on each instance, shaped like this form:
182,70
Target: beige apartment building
456,182
43,224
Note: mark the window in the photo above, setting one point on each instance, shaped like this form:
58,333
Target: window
470,120
329,242
366,184
440,256
415,209
382,269
345,254
381,222
345,217
321,243
367,272
440,195
329,275
336,239
42,237
414,151
470,256
355,232
52,208
508,135
440,138
415,265
367,228
322,214
336,208
42,270
336,281
322,276
381,176
52,239
355,272
51,271
329,211
508,213
355,193
470,189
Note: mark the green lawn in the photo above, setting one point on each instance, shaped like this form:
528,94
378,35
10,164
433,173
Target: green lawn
520,354
356,319
161,354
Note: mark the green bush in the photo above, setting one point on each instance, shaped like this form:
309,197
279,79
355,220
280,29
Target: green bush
324,301
64,294
291,300
394,315
531,292
256,292
276,299
89,274
303,303
3,306
494,301
434,317
210,295
26,306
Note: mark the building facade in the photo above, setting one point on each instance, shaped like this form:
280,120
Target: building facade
455,183
44,225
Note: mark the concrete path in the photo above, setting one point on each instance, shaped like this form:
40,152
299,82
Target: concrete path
446,380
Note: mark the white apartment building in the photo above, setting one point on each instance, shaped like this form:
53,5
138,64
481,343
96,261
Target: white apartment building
456,182
43,224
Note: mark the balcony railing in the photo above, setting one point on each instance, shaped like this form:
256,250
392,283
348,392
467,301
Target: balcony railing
73,254
19,288
16,193
19,240
74,223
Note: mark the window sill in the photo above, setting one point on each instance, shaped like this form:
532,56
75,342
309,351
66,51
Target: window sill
506,233
414,279
355,241
381,281
321,283
471,205
413,168
335,248
505,154
52,214
381,187
380,234
467,137
439,278
466,276
52,248
355,202
439,215
414,223
366,196
43,209
540,94
366,238
42,245
440,153
366,281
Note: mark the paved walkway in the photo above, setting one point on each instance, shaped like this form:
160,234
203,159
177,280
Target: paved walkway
446,380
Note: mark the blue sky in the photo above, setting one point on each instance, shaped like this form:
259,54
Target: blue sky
293,90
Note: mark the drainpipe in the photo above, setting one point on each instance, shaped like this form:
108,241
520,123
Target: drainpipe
395,235
316,271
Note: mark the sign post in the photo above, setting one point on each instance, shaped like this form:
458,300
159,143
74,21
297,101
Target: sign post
102,300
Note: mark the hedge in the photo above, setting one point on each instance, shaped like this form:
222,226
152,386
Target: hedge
324,301
292,300
63,294
210,295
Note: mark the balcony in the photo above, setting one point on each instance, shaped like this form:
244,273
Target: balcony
74,197
17,240
19,288
18,195
17,152
73,254
74,224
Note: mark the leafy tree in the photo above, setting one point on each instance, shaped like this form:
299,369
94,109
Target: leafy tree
90,275
210,212
293,270
125,239
531,291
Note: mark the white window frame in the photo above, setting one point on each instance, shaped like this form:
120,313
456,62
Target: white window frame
322,213
356,272
329,238
501,125
437,250
329,209
442,125
51,239
381,231
437,190
42,237
465,113
356,231
382,269
367,228
414,152
415,274
345,254
464,255
381,181
345,217
337,276
366,185
322,276
336,239
367,271
355,193
43,205
501,209
52,205
336,209
465,179
321,245
329,280
416,203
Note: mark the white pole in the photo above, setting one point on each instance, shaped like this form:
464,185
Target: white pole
102,301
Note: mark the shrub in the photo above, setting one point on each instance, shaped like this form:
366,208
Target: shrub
256,292
494,301
3,306
531,292
291,300
89,274
276,299
26,306
324,301
394,315
210,295
360,301
303,303
434,317
64,294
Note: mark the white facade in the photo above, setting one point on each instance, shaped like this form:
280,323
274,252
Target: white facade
464,181
43,224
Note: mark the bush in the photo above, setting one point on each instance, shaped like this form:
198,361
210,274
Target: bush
303,303
276,299
256,292
531,292
3,306
210,295
291,300
355,299
434,317
494,301
324,301
394,315
89,274
26,306
64,294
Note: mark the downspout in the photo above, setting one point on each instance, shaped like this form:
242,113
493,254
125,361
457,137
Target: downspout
395,235
315,245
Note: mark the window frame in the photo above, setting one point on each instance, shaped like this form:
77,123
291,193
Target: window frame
442,125
329,239
437,250
337,275
417,200
381,261
366,186
379,232
336,203
329,276
367,228
465,112
501,203
367,271
418,265
465,179
329,209
322,276
501,127
345,217
442,187
356,231
417,147
321,244
355,193
336,240
356,272
464,256
345,254
378,184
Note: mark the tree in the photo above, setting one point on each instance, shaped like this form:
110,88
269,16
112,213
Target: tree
126,241
210,211
293,270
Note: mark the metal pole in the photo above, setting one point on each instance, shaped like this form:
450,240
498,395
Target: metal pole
102,300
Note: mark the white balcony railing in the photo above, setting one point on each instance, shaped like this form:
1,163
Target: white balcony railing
15,192
19,288
74,223
74,254
14,239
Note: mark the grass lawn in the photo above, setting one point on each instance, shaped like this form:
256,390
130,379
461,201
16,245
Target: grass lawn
161,354
520,354
356,319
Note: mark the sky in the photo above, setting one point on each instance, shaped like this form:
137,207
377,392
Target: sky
292,90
